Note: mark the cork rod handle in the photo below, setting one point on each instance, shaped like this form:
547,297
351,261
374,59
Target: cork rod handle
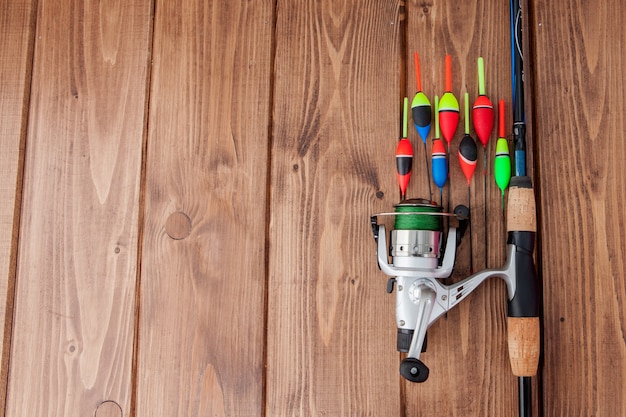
523,321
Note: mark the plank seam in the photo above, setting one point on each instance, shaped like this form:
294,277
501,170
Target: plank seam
141,217
17,213
268,204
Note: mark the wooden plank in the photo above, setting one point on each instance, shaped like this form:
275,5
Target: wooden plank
74,321
331,335
580,128
467,352
16,41
203,270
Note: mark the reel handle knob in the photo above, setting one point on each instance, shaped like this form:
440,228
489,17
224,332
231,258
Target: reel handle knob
414,370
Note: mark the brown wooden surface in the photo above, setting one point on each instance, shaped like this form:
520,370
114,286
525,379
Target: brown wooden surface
194,230
74,324
330,324
580,136
203,278
16,32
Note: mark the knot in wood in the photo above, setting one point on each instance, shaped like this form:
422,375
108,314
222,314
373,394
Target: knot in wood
178,225
108,409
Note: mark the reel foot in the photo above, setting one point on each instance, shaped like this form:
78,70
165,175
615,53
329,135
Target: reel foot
414,370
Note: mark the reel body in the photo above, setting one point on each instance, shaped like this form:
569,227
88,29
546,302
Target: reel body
415,269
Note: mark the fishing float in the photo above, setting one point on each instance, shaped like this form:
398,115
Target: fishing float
468,157
448,107
502,162
448,113
483,117
439,164
422,115
404,154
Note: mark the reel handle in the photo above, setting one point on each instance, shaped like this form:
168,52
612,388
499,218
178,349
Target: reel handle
414,370
523,309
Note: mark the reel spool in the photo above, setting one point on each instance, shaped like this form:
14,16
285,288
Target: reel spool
416,237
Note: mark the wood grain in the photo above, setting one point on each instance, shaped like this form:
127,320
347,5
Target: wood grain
203,282
467,354
75,297
259,292
580,128
16,51
331,333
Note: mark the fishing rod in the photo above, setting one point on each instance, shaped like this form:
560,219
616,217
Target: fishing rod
523,323
517,78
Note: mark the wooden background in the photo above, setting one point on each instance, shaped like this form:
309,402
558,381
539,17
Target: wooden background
186,190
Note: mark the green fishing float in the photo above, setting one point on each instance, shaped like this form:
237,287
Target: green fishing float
502,162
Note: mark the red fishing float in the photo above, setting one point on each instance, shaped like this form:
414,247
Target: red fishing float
468,153
483,115
468,156
448,107
404,163
404,154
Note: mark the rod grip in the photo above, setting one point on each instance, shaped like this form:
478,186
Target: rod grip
523,309
524,342
521,215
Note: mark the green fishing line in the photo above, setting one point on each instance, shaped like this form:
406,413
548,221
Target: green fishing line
418,221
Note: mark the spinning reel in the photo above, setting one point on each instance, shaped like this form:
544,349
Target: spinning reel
417,267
